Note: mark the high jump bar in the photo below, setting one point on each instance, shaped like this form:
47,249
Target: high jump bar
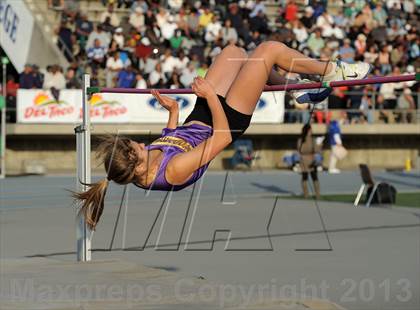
286,87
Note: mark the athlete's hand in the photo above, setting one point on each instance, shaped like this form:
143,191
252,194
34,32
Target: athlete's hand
168,103
202,88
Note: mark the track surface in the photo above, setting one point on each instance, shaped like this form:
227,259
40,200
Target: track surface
368,258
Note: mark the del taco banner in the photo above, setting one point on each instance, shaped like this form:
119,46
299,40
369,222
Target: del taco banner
41,107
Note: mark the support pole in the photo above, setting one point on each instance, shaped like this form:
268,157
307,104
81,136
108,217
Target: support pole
4,62
83,233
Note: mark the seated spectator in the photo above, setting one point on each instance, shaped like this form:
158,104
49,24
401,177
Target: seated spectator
162,17
168,28
188,75
118,37
157,76
113,65
300,31
308,19
173,82
72,82
175,4
27,78
316,42
83,28
229,34
371,55
140,3
213,30
97,53
98,34
360,45
258,7
183,61
114,20
379,14
168,62
347,53
140,82
384,60
259,23
177,39
325,23
291,11
137,19
193,23
206,17
126,78
54,79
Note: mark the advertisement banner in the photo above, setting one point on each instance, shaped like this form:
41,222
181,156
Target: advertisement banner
16,25
40,106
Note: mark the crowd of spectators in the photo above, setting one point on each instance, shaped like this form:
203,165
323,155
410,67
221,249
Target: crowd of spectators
156,44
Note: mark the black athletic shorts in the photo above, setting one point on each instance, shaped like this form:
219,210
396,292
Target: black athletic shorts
238,122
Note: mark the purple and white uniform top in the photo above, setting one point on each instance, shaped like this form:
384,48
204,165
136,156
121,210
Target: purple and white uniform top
172,142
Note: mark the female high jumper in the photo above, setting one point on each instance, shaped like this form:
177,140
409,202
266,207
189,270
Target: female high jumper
226,99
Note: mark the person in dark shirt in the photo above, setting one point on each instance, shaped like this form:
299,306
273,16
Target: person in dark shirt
27,78
38,76
83,28
65,40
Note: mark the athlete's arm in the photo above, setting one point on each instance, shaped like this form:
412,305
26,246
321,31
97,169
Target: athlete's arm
182,166
169,104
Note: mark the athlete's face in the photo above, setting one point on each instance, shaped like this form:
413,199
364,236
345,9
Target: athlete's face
142,154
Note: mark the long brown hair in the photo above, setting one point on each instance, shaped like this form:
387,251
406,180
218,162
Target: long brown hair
120,160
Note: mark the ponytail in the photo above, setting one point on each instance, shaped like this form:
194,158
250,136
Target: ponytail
92,202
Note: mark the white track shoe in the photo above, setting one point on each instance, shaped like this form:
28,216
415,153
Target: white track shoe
345,71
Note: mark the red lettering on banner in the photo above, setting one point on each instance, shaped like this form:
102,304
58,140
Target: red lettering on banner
110,112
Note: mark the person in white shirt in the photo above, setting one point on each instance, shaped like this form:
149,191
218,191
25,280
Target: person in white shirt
54,79
183,61
188,75
325,22
137,19
229,34
168,28
113,65
300,31
162,17
213,30
114,19
119,37
169,62
102,36
140,82
157,75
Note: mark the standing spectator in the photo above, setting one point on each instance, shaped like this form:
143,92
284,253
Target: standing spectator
307,149
137,19
406,106
126,78
337,149
113,65
347,53
114,20
229,34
